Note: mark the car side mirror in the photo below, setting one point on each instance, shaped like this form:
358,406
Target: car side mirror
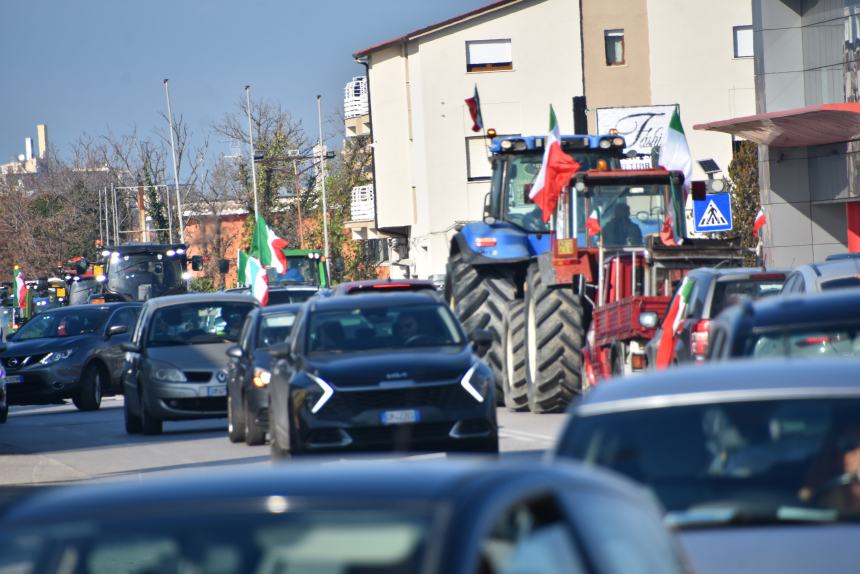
282,351
235,352
116,330
129,348
481,340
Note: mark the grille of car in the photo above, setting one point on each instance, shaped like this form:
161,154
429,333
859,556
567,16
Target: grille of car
344,403
198,376
401,437
13,363
202,404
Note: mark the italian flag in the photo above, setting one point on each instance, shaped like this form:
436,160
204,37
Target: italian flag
592,224
675,156
666,347
242,269
268,247
20,288
760,221
555,171
474,105
258,280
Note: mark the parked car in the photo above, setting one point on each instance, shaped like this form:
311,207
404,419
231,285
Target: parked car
176,362
70,352
390,372
4,402
283,295
840,271
714,290
250,370
456,517
386,286
756,462
800,326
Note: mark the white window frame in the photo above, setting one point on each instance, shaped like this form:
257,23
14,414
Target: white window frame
737,44
503,60
614,33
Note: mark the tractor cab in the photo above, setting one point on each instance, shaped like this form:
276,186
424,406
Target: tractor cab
304,267
141,271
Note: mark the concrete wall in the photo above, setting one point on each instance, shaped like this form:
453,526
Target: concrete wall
692,64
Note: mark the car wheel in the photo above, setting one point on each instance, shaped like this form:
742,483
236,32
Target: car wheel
149,424
4,413
235,424
132,421
89,398
254,433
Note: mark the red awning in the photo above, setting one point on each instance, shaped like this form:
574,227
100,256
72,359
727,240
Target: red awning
812,125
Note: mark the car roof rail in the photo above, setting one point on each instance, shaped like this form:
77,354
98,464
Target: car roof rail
842,256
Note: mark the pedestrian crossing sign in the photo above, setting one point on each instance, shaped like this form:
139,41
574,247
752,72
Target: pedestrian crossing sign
714,213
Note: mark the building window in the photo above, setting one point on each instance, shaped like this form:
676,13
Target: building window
614,42
489,56
743,41
477,158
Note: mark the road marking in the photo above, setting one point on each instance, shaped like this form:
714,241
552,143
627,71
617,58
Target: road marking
525,435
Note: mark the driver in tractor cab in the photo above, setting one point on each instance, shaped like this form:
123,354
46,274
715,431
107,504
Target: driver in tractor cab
294,273
620,231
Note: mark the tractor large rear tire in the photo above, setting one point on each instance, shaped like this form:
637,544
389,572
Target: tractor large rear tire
555,333
515,385
481,296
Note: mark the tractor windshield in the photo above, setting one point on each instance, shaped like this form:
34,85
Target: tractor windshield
622,214
301,269
142,276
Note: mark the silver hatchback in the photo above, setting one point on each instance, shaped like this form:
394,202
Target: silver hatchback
176,362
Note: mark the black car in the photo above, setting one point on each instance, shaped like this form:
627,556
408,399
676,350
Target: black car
381,373
460,517
714,289
756,462
249,372
4,403
73,352
385,286
799,326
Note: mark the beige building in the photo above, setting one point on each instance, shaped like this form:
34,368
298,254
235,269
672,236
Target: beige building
27,162
431,170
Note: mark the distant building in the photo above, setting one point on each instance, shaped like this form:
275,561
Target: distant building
27,163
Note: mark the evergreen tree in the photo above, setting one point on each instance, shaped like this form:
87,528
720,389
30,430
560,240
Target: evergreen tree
746,201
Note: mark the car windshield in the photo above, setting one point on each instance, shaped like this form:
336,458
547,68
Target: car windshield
729,292
145,275
768,459
626,213
278,541
196,323
395,327
66,323
274,329
810,342
284,296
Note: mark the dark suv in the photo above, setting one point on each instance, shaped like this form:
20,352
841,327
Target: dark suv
715,289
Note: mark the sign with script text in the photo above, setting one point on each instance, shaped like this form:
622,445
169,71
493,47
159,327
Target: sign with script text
643,128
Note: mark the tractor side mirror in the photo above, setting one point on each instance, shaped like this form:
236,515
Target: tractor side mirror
488,217
224,266
700,190
197,263
339,265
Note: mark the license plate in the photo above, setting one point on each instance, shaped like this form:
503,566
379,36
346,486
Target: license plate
13,379
400,417
220,391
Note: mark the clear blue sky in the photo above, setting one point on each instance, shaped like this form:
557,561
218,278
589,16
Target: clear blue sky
93,66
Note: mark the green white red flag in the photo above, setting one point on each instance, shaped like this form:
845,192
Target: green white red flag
258,280
760,221
675,156
555,171
20,288
242,269
592,224
268,247
673,320
474,104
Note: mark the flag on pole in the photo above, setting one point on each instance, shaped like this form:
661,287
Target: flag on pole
242,269
675,156
474,104
258,280
555,171
760,221
666,347
20,288
592,224
268,247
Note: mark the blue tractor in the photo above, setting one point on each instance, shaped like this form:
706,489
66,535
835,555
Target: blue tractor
492,264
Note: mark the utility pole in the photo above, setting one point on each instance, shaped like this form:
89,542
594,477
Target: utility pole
251,139
298,204
322,177
175,169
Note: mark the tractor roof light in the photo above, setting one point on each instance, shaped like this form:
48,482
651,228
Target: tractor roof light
491,133
601,163
106,253
605,143
506,145
171,252
618,142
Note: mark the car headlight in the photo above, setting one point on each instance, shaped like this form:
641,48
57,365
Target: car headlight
327,392
474,384
168,373
55,357
261,377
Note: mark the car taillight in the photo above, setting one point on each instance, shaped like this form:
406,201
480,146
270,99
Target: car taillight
810,341
485,241
392,286
699,340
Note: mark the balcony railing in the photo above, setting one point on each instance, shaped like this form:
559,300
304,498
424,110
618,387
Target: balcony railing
362,203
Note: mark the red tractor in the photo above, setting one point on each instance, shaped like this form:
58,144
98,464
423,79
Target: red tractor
607,247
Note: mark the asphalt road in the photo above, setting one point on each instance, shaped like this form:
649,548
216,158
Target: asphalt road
49,445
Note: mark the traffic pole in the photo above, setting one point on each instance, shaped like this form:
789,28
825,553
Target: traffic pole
322,177
251,140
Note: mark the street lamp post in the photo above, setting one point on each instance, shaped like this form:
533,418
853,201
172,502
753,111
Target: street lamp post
322,177
251,140
175,170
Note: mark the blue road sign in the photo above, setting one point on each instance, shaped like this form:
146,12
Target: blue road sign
714,213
